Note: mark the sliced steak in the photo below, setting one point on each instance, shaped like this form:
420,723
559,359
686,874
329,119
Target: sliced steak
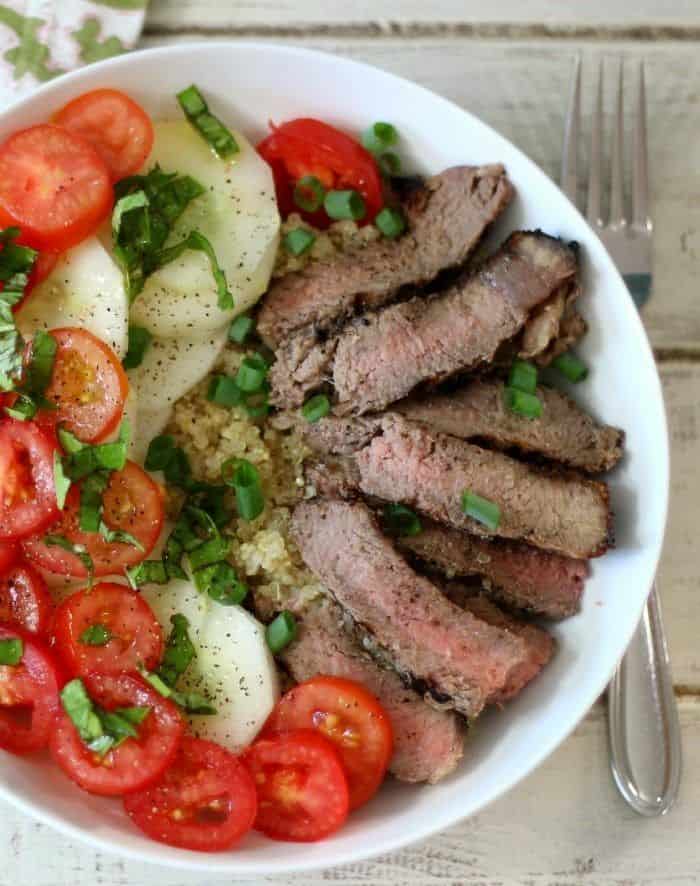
446,218
428,743
515,574
381,357
407,463
461,659
564,432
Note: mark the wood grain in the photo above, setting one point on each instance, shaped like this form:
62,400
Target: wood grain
565,825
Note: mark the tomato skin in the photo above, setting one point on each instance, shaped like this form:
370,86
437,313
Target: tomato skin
306,146
135,764
212,792
25,600
27,489
53,185
344,712
88,385
302,790
33,684
115,125
137,636
9,554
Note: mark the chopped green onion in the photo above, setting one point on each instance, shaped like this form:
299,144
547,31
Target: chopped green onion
91,492
221,583
209,127
251,374
344,205
139,340
481,509
160,453
96,635
299,241
179,651
316,408
23,409
60,481
389,164
401,521
147,572
257,405
281,631
244,477
521,403
224,391
379,137
11,651
523,376
240,328
212,551
390,222
570,366
309,193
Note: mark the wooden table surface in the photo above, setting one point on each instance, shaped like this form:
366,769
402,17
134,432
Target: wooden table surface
510,62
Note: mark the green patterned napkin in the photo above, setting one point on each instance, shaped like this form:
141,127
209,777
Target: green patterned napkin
40,39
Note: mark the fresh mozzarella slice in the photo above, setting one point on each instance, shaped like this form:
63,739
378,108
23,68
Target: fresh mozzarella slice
85,289
237,213
170,368
233,666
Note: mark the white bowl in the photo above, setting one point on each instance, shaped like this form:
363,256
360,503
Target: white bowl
249,84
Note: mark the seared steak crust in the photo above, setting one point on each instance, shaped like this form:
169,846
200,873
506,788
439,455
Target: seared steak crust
461,658
564,432
447,217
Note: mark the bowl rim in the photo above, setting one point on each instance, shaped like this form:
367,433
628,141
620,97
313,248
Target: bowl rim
443,817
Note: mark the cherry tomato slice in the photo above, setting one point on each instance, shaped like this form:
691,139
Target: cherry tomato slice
9,554
132,502
118,129
348,715
28,696
25,599
206,800
123,632
136,763
310,147
88,385
53,185
27,490
302,789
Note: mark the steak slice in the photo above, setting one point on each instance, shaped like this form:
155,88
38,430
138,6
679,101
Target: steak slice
512,573
382,356
406,463
564,432
446,217
428,743
462,660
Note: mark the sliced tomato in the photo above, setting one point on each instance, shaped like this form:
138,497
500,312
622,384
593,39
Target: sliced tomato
27,490
310,147
53,185
28,696
118,129
134,764
25,599
206,800
88,385
122,631
352,718
132,503
302,789
9,554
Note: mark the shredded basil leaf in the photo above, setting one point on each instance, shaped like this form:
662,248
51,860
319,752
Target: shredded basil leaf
119,536
101,730
198,242
81,710
62,482
40,368
11,651
179,651
139,341
16,263
91,492
96,635
60,541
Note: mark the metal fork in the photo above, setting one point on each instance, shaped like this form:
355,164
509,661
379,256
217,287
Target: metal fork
643,725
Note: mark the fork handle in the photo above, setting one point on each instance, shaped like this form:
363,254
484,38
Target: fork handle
643,723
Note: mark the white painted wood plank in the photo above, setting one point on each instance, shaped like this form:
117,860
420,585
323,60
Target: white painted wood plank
382,14
520,89
564,826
